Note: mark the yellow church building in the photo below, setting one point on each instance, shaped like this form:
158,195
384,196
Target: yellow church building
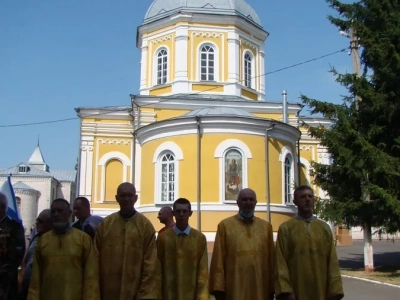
200,126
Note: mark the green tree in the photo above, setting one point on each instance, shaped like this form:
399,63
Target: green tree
363,180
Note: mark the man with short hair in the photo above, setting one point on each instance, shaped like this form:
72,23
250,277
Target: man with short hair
12,247
43,225
184,258
306,260
129,268
165,216
242,262
65,264
86,222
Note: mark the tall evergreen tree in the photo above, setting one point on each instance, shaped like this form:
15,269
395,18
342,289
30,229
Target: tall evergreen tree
363,180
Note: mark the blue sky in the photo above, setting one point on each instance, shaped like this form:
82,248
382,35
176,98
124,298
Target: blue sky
58,55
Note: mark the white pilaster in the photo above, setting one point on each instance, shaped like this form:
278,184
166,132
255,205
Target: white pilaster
86,167
233,67
143,65
261,54
233,53
138,169
181,53
180,79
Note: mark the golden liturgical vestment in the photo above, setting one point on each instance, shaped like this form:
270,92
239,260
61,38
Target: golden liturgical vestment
129,267
307,263
184,264
65,267
242,263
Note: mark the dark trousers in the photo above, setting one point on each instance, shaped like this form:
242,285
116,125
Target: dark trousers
9,285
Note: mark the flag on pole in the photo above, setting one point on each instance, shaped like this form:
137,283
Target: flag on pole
8,190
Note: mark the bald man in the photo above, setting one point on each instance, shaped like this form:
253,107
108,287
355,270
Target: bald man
129,267
242,262
166,217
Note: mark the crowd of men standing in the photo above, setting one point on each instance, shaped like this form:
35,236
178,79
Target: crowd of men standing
120,258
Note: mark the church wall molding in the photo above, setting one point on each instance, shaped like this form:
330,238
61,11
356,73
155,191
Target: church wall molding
212,20
217,124
181,102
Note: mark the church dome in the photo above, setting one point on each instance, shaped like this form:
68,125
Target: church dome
162,8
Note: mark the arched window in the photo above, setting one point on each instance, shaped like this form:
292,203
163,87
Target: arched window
233,156
168,178
207,63
162,66
233,163
288,179
248,70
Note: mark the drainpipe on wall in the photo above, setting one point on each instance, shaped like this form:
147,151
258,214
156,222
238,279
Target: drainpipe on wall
267,172
298,163
135,122
284,107
198,174
78,171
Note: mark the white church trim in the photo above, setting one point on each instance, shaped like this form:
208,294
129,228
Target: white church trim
168,146
307,166
103,162
285,152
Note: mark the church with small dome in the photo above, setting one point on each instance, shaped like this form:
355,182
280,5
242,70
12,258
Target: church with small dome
200,126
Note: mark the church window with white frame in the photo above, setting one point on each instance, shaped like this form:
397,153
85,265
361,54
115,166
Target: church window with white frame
248,70
288,178
162,66
167,180
207,63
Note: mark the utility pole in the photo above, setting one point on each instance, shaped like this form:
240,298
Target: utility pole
367,230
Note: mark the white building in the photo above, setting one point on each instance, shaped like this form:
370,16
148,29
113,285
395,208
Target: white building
36,186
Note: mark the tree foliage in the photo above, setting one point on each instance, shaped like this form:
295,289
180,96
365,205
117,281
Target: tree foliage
363,180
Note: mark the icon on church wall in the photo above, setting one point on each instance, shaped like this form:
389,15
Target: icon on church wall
233,174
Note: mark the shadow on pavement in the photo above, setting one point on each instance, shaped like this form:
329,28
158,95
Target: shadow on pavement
386,256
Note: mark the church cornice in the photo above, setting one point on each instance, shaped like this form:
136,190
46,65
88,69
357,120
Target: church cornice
189,103
162,39
217,124
216,20
208,34
27,193
248,43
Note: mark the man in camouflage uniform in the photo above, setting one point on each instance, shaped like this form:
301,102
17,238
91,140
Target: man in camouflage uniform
12,249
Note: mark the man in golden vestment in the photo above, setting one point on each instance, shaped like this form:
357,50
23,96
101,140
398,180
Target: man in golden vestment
65,264
129,267
182,251
166,217
242,262
307,267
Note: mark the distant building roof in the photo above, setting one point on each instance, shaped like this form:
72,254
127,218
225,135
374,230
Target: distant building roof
64,175
36,157
22,187
162,8
219,111
30,171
